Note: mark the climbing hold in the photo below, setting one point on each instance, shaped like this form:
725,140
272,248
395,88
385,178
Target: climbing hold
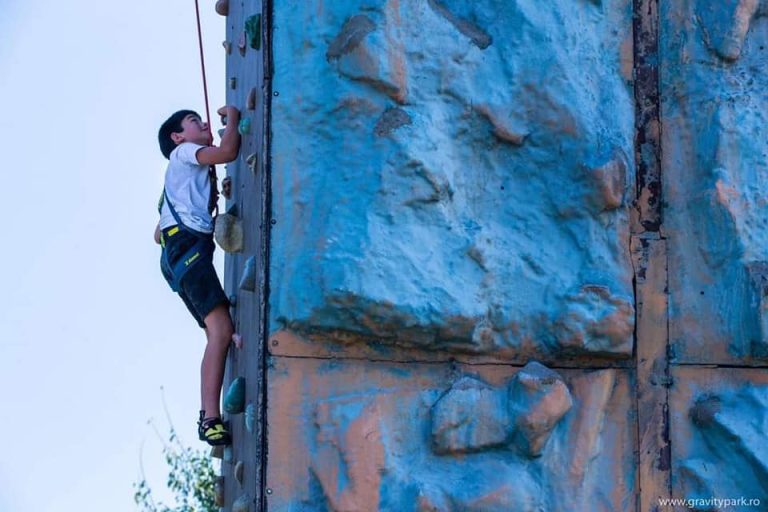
233,82
250,104
237,340
252,160
239,468
227,47
219,496
253,29
222,7
226,187
227,454
248,281
234,401
228,232
217,452
242,504
233,300
250,417
245,126
241,43
538,399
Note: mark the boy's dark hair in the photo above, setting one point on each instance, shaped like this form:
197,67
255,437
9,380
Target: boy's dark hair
171,125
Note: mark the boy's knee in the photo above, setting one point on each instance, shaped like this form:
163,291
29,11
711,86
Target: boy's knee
219,322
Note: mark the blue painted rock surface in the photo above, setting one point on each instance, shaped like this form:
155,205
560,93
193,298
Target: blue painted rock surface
454,176
719,420
359,437
714,149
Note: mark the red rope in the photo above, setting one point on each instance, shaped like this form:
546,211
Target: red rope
211,169
202,64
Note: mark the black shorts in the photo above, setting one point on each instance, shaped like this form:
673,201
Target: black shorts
200,290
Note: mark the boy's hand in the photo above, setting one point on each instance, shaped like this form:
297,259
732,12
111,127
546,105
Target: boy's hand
230,140
229,114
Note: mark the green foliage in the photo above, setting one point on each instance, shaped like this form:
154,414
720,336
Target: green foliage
191,478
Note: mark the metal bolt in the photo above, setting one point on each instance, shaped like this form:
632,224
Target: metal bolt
269,491
273,222
276,93
275,342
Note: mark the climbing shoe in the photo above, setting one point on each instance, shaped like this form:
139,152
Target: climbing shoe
212,431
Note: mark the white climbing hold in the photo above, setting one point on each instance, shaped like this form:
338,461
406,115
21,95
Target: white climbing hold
217,452
228,232
252,162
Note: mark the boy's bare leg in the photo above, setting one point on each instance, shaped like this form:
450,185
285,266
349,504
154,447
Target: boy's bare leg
218,330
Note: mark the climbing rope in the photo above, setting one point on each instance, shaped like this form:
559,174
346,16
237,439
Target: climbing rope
214,196
202,63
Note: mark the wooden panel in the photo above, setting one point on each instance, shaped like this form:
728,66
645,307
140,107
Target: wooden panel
245,73
718,422
649,256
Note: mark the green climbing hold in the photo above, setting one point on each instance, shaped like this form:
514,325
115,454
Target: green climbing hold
234,401
253,29
245,126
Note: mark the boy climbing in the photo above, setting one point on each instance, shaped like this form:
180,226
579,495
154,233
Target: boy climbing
185,232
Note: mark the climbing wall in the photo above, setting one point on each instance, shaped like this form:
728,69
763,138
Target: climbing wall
491,261
247,82
714,149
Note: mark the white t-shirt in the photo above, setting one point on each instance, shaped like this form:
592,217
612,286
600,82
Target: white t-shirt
188,187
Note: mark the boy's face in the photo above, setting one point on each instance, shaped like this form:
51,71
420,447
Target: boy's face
193,129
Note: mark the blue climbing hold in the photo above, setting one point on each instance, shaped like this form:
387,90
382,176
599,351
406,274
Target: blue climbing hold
234,401
250,418
245,126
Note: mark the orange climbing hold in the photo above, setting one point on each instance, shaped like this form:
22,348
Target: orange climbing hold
222,7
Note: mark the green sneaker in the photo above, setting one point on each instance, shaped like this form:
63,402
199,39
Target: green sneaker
212,431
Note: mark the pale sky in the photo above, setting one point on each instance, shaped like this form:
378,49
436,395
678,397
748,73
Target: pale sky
90,330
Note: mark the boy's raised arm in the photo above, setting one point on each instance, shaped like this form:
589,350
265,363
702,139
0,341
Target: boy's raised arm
230,141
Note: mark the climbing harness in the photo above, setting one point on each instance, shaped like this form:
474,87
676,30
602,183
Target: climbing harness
202,248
